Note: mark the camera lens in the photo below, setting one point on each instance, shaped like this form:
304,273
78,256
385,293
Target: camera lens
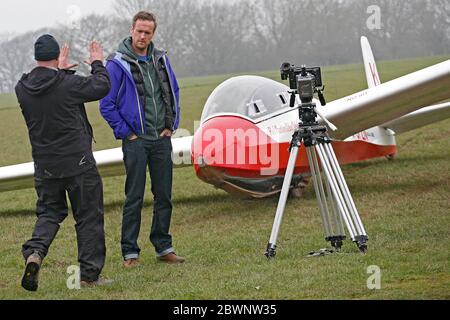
285,67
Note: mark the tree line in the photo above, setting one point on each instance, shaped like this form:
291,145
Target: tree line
206,37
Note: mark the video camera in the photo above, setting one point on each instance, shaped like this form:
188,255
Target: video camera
304,81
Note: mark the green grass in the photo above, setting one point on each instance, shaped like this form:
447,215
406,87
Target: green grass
404,204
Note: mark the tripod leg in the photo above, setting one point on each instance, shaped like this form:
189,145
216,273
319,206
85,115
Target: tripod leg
337,236
346,191
271,247
336,241
337,233
336,191
320,193
344,198
361,236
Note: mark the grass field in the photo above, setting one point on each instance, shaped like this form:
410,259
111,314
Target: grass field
404,204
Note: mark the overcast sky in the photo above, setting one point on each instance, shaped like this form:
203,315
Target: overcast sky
18,16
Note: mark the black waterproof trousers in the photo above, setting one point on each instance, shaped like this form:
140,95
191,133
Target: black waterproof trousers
85,192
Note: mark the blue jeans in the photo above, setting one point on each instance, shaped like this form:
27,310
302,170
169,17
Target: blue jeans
157,155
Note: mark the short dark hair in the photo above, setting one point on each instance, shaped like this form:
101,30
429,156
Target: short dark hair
144,15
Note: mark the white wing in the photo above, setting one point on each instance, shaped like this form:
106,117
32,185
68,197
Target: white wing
109,163
388,101
419,118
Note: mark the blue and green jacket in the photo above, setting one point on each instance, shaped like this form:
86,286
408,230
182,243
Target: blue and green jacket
124,106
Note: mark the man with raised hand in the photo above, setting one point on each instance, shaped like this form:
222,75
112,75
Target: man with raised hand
52,100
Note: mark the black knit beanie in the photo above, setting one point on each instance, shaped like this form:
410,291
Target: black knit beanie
46,48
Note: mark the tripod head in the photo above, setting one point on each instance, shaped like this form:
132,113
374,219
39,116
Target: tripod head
305,82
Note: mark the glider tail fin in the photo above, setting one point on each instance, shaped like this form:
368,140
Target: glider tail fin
373,79
377,135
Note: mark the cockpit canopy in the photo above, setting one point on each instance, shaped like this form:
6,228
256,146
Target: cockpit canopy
250,96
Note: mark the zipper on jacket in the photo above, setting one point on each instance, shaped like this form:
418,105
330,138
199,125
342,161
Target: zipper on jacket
118,92
173,93
153,95
139,108
137,98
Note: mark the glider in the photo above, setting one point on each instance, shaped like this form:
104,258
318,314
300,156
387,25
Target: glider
246,126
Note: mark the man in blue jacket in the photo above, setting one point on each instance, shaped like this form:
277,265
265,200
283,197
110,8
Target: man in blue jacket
143,110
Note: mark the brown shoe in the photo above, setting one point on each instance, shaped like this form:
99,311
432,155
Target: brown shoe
171,258
99,282
130,263
31,275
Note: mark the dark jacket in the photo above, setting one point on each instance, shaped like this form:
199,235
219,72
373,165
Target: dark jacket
52,104
123,107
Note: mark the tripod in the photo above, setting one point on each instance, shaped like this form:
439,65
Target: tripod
333,196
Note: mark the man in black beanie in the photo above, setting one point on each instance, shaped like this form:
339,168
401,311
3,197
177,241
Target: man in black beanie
46,48
52,100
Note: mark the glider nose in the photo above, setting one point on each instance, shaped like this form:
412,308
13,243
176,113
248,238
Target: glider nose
229,142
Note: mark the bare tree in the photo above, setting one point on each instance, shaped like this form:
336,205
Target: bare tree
92,27
223,37
16,58
216,39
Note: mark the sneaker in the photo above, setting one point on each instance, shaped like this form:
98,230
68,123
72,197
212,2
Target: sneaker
99,282
31,274
130,263
171,258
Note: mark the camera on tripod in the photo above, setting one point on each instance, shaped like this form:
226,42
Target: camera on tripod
335,202
304,81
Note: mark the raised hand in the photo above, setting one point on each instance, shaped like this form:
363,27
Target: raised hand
63,58
96,52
